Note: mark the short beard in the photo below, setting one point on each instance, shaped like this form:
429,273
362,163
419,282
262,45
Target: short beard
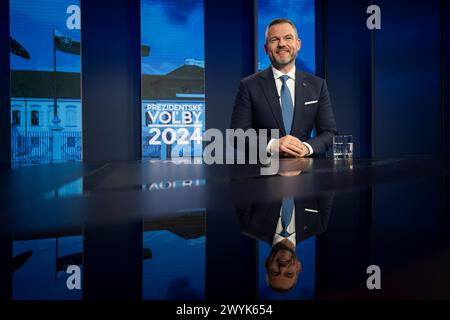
279,65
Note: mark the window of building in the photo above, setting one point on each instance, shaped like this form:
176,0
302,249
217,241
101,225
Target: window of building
34,118
16,117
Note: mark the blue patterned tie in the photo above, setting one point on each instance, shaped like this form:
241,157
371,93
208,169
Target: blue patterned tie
287,209
287,107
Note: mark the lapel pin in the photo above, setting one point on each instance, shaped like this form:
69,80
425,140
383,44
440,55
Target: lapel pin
304,84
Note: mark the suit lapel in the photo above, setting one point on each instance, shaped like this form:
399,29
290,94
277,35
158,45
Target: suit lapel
300,97
307,224
270,92
274,212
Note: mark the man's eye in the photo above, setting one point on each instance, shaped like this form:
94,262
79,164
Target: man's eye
289,38
273,40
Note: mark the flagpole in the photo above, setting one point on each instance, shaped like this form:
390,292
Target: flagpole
55,110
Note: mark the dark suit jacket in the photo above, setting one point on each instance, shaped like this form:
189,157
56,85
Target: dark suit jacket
260,221
257,106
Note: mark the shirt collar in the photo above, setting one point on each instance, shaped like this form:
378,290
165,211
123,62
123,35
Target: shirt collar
277,73
278,238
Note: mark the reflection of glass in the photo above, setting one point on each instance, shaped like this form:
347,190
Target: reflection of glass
343,147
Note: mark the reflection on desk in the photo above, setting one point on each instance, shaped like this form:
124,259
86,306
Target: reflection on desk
265,222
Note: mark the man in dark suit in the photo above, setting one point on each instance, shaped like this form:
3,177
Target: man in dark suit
265,222
285,98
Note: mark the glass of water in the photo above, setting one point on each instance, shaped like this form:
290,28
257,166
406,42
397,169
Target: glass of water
343,147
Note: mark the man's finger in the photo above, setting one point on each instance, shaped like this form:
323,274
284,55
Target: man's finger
293,139
288,151
304,149
294,144
295,151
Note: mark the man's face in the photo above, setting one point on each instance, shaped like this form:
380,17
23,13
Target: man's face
282,269
282,45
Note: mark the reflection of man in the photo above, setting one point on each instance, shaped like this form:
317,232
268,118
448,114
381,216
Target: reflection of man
282,225
285,98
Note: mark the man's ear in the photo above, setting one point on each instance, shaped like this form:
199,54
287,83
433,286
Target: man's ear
298,267
299,44
267,262
266,50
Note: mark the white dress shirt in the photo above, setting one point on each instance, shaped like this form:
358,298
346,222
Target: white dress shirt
290,229
291,86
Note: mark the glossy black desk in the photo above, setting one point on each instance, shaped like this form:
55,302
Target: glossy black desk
171,230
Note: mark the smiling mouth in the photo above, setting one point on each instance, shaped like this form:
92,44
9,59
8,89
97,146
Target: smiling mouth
285,263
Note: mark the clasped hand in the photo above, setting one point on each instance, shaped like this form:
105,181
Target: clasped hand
290,146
